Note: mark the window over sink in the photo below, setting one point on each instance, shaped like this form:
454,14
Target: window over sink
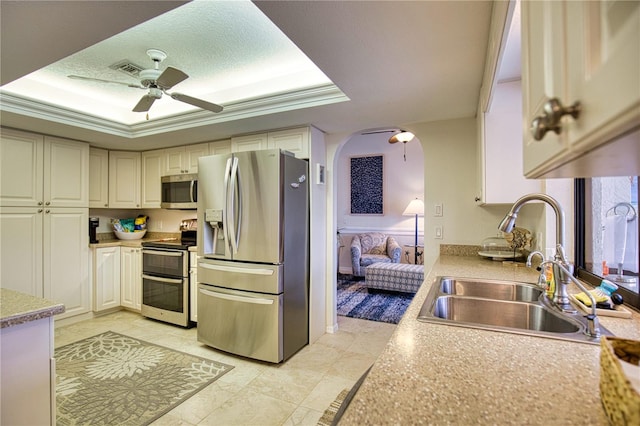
607,231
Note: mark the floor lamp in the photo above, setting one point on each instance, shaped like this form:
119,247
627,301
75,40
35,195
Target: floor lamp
415,208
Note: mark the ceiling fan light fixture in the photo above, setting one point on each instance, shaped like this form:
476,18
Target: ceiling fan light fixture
404,137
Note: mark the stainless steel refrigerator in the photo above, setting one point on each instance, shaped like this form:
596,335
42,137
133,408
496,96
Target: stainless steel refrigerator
253,253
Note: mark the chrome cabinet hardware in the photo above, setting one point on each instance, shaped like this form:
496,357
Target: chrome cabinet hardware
550,119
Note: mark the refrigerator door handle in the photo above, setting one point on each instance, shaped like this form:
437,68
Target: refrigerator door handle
234,186
225,213
233,297
236,269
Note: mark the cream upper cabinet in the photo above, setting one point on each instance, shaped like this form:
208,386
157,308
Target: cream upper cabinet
292,140
21,168
106,282
124,179
98,178
66,173
131,278
152,171
43,171
256,142
500,137
581,53
184,159
220,147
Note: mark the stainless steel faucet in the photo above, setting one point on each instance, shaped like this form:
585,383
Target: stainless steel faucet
561,268
593,325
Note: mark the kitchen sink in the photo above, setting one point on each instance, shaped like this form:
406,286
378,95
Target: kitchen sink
490,289
506,306
520,315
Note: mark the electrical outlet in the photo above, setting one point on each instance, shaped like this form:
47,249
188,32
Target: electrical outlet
438,210
438,233
159,224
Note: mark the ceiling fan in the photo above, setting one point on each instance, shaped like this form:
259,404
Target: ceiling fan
158,82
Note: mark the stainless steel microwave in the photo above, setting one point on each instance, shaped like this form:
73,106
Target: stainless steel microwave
180,192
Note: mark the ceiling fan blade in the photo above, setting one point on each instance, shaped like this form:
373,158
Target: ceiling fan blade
145,103
373,132
79,77
196,102
170,77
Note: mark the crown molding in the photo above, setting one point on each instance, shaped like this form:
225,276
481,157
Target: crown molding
299,99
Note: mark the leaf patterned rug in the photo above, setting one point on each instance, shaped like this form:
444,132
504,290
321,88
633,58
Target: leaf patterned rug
113,379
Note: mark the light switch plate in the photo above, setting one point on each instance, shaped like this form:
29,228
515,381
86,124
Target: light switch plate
438,210
438,233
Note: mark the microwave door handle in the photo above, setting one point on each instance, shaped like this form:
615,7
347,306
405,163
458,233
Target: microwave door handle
231,206
191,188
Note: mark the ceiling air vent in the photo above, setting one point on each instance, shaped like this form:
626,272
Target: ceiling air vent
127,67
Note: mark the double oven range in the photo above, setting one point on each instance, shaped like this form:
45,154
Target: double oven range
165,279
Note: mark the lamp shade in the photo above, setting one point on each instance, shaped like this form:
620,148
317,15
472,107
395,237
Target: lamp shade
415,207
403,136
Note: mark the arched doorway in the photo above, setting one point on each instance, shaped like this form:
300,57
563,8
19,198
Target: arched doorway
403,181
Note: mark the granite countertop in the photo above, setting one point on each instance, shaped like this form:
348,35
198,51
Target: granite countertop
108,239
19,308
442,374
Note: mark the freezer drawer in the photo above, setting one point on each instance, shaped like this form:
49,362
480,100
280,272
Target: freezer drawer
242,323
251,277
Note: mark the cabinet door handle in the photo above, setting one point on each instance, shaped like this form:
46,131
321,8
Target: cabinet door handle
39,210
47,211
553,111
106,205
47,203
39,203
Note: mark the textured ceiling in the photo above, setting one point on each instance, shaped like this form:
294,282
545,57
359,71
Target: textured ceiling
398,63
230,51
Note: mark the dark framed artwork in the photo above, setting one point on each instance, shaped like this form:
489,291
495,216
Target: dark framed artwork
367,180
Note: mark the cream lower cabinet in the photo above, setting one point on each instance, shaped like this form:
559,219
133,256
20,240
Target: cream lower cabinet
131,278
27,376
193,286
586,52
44,253
106,278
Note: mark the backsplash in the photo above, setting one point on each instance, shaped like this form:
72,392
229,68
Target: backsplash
160,220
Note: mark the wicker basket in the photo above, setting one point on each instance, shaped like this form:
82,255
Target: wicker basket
620,400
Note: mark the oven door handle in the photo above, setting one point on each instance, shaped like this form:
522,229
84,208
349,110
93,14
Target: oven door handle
164,280
234,298
163,253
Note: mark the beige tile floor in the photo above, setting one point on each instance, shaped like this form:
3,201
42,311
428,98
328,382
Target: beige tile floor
255,393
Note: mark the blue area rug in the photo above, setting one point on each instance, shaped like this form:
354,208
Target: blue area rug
355,301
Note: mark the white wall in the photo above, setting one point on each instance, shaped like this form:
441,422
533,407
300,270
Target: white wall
450,178
403,181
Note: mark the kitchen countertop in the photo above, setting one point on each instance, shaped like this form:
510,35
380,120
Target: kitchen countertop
19,308
442,374
110,240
